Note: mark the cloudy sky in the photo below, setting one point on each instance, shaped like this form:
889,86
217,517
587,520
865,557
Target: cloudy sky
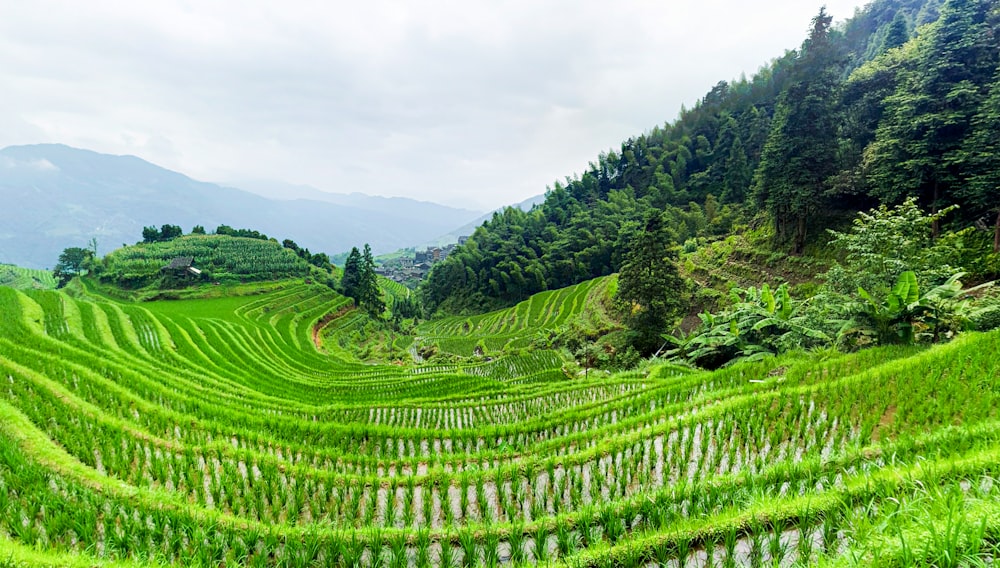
469,103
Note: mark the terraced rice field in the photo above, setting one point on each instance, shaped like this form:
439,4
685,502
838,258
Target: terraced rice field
514,327
215,433
26,278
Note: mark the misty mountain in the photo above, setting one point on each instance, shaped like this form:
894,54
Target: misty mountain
55,197
467,229
287,191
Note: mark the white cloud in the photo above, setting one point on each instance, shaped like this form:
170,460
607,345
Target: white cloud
463,102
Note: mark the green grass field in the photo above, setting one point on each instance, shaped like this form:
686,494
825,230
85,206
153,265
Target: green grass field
214,432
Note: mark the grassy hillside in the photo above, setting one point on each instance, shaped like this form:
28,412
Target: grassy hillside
26,278
220,258
215,432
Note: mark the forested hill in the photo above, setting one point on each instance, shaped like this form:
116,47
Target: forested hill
901,99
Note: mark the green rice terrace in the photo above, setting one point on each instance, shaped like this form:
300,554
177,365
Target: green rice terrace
519,326
238,431
26,278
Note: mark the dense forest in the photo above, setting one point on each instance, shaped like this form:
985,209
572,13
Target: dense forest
901,100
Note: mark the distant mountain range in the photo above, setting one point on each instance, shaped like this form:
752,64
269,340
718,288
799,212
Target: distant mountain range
470,227
55,197
285,191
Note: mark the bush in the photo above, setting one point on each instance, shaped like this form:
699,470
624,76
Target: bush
886,242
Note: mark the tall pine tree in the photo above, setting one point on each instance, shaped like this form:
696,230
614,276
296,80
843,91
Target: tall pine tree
350,284
650,289
800,154
370,293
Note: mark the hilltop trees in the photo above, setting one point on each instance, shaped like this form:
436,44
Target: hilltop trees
245,233
319,260
165,233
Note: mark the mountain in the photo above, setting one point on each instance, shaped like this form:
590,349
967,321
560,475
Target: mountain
281,191
56,197
467,229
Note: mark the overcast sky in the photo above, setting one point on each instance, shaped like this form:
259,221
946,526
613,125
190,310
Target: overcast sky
468,103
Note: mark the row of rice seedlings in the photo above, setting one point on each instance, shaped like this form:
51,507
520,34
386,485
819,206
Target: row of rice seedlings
611,533
551,505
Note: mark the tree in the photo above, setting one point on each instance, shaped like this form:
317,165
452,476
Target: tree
150,234
170,232
319,260
738,173
897,34
198,230
982,192
405,307
291,245
650,290
350,283
886,242
800,153
72,262
370,292
919,145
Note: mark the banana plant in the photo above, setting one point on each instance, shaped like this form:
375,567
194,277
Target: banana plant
891,319
760,324
907,316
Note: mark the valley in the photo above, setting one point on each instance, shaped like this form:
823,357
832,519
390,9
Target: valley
763,334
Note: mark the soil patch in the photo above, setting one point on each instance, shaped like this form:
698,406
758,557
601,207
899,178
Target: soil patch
325,321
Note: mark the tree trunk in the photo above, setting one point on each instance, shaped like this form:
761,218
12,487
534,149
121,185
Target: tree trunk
936,224
800,235
996,234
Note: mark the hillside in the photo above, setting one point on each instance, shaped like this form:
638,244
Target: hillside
218,258
210,432
900,101
578,312
668,362
57,197
25,278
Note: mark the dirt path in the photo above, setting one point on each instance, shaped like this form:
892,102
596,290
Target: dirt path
325,321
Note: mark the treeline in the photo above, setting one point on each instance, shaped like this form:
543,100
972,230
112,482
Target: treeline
901,100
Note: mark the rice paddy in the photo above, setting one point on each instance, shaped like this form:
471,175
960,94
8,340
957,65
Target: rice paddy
218,432
26,278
